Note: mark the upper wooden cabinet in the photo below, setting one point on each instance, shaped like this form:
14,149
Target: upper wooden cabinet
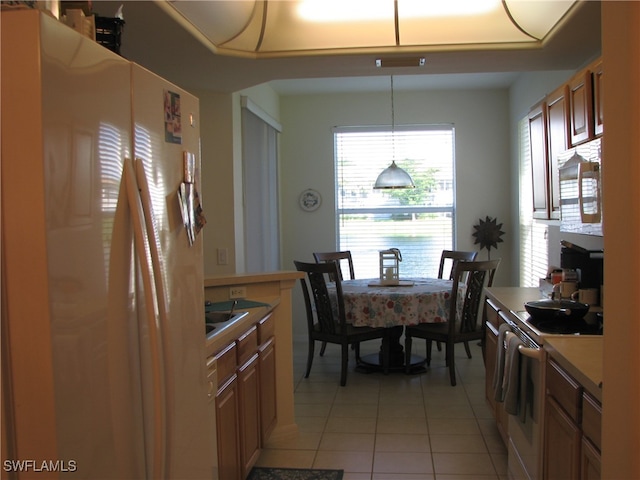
568,116
585,104
581,107
597,78
557,138
538,145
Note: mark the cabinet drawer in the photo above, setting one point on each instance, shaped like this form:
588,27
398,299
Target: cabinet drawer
247,344
266,328
566,391
591,419
226,363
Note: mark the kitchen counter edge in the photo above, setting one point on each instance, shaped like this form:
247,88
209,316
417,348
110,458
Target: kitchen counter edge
242,278
581,357
229,333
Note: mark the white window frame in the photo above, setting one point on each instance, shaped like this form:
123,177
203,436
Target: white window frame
366,260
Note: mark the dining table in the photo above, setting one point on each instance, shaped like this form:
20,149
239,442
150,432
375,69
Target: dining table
374,303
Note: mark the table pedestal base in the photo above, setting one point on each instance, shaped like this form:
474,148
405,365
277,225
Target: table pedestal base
373,362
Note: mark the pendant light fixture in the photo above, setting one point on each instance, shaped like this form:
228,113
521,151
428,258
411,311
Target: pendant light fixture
393,176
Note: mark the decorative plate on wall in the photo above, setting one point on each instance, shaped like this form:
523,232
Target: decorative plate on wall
310,200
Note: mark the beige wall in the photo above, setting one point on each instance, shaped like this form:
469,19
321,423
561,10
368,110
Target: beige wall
481,119
221,141
621,177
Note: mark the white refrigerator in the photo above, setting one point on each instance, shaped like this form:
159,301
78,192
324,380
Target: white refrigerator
103,338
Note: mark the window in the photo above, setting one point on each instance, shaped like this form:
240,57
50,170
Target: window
420,222
533,235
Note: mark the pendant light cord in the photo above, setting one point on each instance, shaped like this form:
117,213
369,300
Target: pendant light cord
393,125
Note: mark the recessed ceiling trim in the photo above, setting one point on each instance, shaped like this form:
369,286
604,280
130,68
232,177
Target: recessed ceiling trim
273,29
515,23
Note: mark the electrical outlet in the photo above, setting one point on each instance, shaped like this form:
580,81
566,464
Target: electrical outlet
238,292
223,256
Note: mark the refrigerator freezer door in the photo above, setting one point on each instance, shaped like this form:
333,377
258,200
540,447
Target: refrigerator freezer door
165,126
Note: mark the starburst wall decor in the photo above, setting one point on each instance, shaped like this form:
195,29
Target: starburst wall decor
488,234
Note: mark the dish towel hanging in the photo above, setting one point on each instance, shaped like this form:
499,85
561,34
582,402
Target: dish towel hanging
511,377
499,369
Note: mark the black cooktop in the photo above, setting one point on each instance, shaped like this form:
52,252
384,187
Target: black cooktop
567,327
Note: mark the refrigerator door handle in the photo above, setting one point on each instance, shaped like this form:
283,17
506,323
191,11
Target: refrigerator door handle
161,296
143,250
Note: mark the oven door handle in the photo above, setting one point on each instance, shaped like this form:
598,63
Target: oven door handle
535,353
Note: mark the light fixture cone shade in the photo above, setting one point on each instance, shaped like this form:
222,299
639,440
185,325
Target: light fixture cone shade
394,177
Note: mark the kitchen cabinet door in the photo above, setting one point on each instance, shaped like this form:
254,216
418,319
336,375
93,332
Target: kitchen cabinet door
591,462
539,169
558,133
249,414
581,108
268,405
597,77
228,434
562,441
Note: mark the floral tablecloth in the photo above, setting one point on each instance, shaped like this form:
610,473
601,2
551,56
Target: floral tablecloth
427,301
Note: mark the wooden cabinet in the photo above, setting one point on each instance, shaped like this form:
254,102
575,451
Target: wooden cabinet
227,426
591,438
562,439
568,116
557,138
249,413
581,107
597,78
267,370
245,403
539,162
572,424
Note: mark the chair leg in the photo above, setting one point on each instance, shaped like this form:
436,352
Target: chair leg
451,363
407,354
343,369
429,345
356,349
323,348
310,357
466,348
439,345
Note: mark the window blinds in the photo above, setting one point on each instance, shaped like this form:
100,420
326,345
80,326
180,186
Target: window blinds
420,222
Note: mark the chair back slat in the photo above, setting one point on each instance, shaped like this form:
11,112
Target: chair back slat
329,313
455,256
338,258
474,277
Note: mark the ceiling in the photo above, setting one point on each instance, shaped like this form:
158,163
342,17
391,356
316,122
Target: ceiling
153,38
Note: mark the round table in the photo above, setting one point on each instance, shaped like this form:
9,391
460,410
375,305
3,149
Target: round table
415,300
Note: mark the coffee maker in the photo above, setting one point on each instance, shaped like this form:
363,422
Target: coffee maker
589,263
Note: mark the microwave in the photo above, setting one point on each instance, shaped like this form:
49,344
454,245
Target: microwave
579,171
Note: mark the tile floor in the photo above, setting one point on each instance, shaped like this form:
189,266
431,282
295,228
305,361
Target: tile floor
394,427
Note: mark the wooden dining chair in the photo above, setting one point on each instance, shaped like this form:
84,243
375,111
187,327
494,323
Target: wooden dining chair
326,319
337,257
464,322
454,256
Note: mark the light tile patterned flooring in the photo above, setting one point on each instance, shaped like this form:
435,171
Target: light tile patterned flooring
394,427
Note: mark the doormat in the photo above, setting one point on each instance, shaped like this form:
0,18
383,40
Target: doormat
263,473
